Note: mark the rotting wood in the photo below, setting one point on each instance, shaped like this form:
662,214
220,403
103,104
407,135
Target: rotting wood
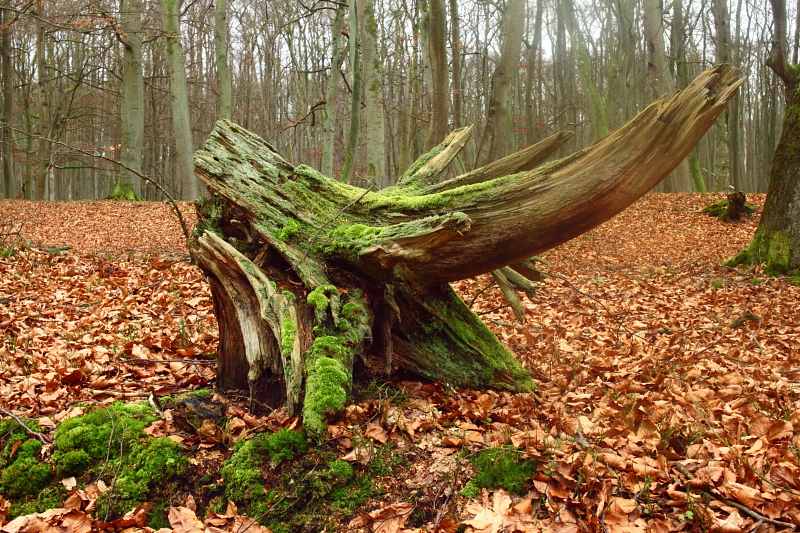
312,278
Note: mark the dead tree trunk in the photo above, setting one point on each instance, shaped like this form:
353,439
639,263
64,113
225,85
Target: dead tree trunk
311,277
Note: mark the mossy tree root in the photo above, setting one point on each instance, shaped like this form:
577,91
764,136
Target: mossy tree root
773,249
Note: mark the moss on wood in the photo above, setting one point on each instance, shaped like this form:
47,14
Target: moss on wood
774,250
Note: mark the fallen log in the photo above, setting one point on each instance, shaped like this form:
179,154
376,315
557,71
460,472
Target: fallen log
313,279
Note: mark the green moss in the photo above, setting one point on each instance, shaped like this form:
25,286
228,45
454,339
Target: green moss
318,299
288,231
289,295
94,431
453,329
717,209
26,475
325,391
123,192
288,331
350,241
355,322
48,498
340,469
73,463
210,213
774,250
502,468
105,443
242,472
470,490
148,465
780,247
285,445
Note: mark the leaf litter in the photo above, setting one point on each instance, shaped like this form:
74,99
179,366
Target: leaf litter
667,382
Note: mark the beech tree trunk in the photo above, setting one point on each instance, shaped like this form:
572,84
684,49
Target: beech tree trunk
314,280
777,239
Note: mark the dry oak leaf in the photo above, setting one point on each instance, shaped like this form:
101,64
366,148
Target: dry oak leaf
5,505
389,519
183,520
376,432
622,516
490,519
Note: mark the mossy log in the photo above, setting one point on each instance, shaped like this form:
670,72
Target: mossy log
314,280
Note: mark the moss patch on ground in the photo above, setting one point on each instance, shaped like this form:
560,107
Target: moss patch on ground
280,481
500,468
107,444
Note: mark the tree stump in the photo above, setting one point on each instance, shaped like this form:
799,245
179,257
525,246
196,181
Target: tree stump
737,208
312,278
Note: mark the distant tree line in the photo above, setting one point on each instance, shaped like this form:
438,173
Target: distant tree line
359,89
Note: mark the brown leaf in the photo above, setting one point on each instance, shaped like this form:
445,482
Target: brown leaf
184,520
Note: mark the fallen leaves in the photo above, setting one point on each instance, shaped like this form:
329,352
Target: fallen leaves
657,414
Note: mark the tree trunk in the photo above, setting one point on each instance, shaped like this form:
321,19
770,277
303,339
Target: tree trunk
179,94
777,239
437,51
43,181
221,49
455,50
132,105
355,97
492,144
9,180
332,93
597,104
532,77
682,80
373,93
310,276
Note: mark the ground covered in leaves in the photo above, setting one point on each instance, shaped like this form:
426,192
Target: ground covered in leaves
668,393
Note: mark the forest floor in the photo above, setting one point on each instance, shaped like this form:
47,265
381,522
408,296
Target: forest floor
668,387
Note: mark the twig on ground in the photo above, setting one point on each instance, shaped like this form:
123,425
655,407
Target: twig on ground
751,513
492,310
474,299
42,438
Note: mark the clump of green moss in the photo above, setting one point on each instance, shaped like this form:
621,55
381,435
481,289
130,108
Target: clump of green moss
773,249
325,391
288,332
26,474
123,192
105,443
362,486
22,472
319,300
288,231
340,469
717,209
500,468
285,445
243,472
289,294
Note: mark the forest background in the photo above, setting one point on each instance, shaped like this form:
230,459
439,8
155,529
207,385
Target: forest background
359,90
